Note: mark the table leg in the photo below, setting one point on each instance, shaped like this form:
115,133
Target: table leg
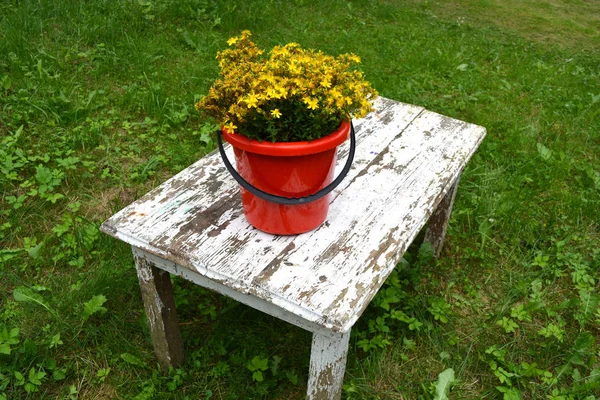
159,303
327,366
438,222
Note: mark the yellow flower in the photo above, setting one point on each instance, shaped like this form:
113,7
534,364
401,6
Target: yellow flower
354,58
272,93
281,92
230,127
294,68
312,103
251,101
326,82
253,83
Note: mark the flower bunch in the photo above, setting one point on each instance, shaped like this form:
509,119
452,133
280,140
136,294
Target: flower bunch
291,94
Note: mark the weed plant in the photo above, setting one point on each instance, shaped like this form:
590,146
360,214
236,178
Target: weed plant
96,108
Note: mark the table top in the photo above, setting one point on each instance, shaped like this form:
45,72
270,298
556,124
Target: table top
407,158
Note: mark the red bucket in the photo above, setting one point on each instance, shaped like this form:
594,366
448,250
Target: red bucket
289,177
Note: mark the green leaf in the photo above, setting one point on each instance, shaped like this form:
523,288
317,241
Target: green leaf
257,376
4,348
425,253
509,393
20,378
68,163
414,324
35,377
442,386
409,344
582,349
40,288
589,303
94,306
31,388
61,229
7,254
55,341
26,295
258,363
133,360
50,364
102,374
544,152
43,175
275,366
59,374
508,324
52,198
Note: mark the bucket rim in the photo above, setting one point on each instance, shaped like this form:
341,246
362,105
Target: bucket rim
284,149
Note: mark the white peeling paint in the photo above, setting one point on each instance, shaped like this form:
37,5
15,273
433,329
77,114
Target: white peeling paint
327,367
407,158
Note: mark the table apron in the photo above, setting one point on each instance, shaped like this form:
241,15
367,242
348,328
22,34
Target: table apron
244,298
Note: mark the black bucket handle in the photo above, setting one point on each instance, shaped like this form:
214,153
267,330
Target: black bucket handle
289,200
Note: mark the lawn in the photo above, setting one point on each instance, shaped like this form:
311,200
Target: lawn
97,107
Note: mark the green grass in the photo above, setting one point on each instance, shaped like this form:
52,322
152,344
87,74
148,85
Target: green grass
570,24
96,108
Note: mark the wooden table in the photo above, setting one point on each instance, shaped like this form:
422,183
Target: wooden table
407,166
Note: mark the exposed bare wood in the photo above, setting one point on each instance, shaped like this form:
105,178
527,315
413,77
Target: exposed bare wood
327,366
159,303
438,222
244,298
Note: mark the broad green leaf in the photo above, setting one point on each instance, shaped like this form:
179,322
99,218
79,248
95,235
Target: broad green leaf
94,306
50,364
509,393
52,198
31,388
20,378
544,152
442,386
589,302
257,376
55,341
68,163
582,349
133,360
36,377
4,348
584,343
43,175
26,295
7,254
425,253
59,374
258,363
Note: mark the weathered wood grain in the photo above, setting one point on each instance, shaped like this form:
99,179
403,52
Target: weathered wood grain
159,304
327,366
406,161
438,222
257,303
